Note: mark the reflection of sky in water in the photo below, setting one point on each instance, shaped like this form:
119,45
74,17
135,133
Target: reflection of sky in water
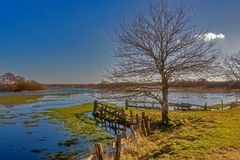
36,140
188,97
202,98
18,140
194,98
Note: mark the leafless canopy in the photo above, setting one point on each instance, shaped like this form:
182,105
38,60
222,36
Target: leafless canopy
232,64
162,46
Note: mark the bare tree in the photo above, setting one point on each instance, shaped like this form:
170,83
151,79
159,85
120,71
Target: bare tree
232,67
161,45
11,82
8,78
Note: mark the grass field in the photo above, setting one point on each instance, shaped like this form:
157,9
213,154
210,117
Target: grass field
19,99
12,100
76,121
218,106
198,135
192,135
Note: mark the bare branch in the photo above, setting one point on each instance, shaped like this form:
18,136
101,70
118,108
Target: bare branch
161,46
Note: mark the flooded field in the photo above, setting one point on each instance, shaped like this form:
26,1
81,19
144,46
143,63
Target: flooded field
28,133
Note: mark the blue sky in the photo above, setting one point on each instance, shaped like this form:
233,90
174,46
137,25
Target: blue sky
56,41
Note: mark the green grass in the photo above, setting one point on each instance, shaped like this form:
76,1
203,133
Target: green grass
31,123
12,100
19,99
191,135
218,106
198,135
75,120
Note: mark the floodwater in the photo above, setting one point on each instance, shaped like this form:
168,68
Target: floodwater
39,138
26,133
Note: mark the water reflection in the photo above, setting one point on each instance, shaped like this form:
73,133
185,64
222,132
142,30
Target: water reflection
27,133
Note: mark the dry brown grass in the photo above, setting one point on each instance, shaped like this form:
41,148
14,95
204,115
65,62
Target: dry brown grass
225,154
135,147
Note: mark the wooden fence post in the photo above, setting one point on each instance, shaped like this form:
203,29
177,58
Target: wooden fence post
143,115
137,120
143,128
126,104
123,117
94,107
222,103
132,129
131,116
99,151
147,125
205,106
118,147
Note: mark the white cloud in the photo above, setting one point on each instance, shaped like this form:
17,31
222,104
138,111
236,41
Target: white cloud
212,36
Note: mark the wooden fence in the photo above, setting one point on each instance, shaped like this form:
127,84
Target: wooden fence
143,124
234,104
122,143
178,106
156,105
109,113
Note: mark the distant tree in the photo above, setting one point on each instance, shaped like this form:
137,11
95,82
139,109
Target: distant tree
8,78
10,82
161,45
202,80
232,67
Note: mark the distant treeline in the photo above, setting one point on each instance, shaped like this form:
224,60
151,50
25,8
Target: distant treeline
91,86
11,82
57,86
193,84
207,84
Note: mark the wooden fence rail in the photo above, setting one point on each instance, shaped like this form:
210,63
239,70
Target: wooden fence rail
176,106
157,105
99,153
118,116
142,123
109,113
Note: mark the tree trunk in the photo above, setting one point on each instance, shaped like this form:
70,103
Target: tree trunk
164,104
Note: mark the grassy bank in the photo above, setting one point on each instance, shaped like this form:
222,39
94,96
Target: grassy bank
219,106
76,121
198,135
12,100
192,135
19,99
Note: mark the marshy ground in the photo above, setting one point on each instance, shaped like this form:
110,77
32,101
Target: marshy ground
12,100
192,134
54,126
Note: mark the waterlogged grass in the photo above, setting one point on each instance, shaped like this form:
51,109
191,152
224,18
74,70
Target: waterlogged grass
12,100
7,116
197,135
191,135
19,99
31,123
62,156
76,121
218,106
27,122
